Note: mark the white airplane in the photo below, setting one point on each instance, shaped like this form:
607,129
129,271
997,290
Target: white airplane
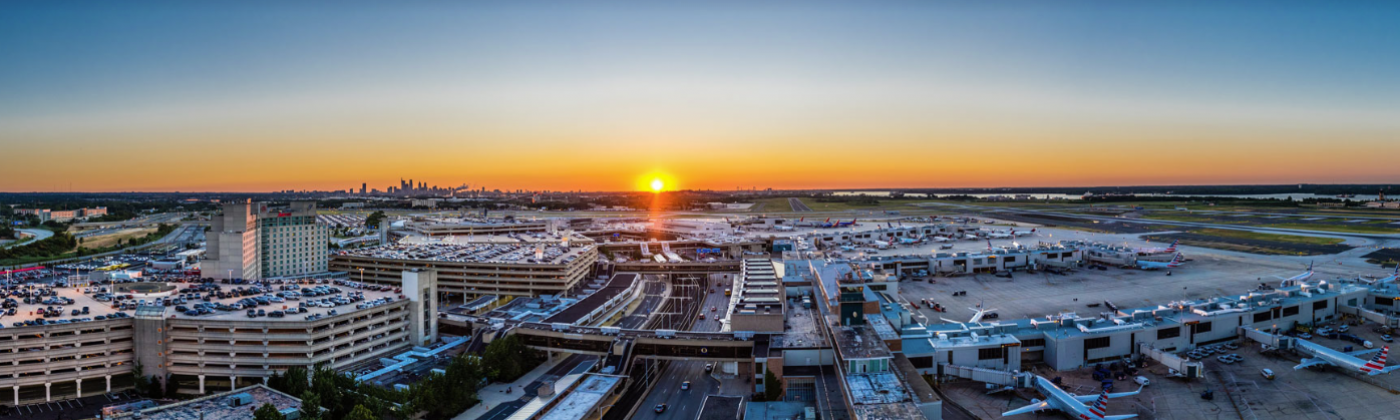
1150,251
1022,233
996,234
1392,277
971,236
1154,265
1073,405
1327,356
942,239
1299,278
976,317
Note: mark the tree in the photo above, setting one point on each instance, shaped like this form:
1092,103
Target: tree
310,406
360,413
374,219
268,412
772,387
140,381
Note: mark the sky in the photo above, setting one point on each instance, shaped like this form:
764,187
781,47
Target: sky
263,96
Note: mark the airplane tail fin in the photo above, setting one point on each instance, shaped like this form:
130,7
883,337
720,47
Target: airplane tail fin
1172,248
1380,357
1100,407
1310,263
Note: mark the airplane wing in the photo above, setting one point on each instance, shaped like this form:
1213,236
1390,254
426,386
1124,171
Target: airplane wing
1043,405
1125,394
1387,370
1090,398
1363,352
1311,362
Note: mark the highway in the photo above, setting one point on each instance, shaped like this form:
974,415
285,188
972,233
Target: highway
654,292
798,205
685,405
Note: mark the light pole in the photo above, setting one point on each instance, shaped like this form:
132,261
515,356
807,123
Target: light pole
362,276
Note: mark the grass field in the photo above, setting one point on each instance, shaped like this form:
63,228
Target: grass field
771,204
1347,228
109,240
1295,239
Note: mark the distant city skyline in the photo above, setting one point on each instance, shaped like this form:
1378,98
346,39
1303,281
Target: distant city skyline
606,96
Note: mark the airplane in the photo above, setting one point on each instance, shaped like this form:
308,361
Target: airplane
971,236
848,247
1327,356
1001,235
942,239
976,317
909,241
1298,278
1154,265
1150,251
1073,405
1022,233
1392,277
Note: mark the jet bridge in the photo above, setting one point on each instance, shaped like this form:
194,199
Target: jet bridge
1187,368
1270,341
991,376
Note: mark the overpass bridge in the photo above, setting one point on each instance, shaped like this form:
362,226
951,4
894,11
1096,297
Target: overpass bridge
628,343
689,267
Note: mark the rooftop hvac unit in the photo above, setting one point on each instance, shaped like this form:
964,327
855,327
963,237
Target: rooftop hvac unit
239,400
290,413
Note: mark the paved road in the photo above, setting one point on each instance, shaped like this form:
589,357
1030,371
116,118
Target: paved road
39,235
798,205
685,405
654,293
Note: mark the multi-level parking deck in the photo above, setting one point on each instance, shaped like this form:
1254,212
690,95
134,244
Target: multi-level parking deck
51,353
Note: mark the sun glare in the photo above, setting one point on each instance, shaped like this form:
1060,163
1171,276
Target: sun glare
657,185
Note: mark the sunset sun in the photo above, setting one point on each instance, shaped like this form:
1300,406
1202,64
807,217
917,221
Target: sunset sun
657,185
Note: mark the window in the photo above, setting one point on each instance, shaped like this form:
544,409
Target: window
989,354
1382,301
1097,342
1319,305
1290,311
1170,332
1203,327
1034,342
1263,317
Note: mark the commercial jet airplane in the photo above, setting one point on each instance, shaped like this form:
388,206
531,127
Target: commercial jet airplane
1327,356
1073,405
1155,265
838,224
1299,278
1150,251
1001,235
1392,277
976,317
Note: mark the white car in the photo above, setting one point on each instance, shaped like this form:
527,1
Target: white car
1142,380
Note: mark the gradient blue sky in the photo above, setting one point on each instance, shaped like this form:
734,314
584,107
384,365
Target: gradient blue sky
256,96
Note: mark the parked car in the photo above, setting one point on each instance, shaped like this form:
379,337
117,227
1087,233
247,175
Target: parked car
1268,373
1142,380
